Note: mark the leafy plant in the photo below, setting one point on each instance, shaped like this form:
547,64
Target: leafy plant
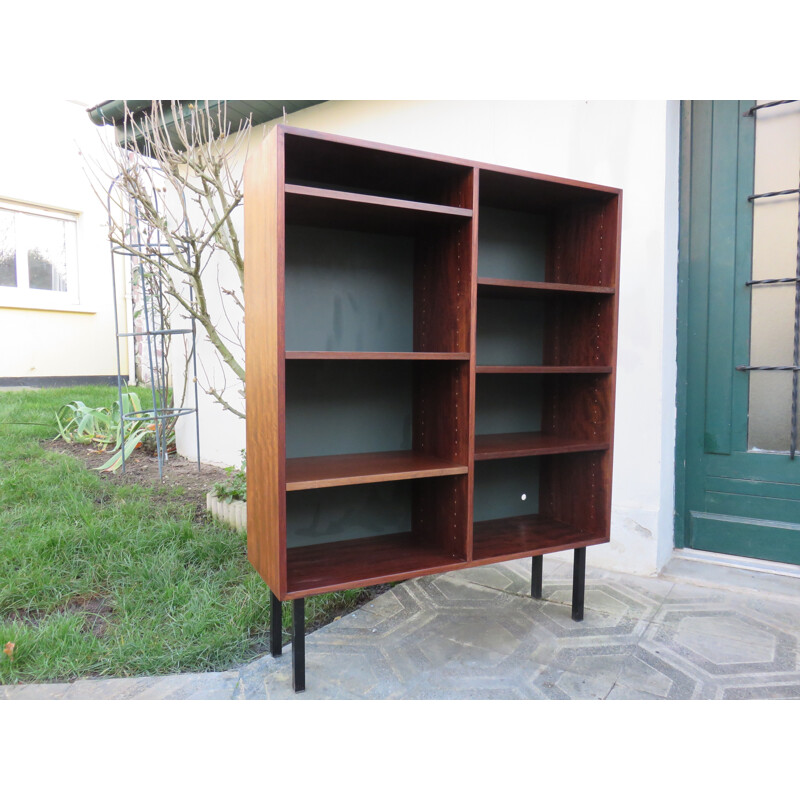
235,485
78,423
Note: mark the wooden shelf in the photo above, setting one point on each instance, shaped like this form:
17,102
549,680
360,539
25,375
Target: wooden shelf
513,445
496,287
317,472
357,355
308,205
314,569
531,534
541,370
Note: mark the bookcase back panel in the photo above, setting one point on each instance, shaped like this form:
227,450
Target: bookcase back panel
508,403
501,485
567,330
348,291
321,516
347,407
510,331
512,245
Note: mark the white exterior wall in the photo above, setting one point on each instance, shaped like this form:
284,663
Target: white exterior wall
628,144
44,146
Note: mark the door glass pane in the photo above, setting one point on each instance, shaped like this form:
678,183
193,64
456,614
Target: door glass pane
8,250
771,396
47,253
777,167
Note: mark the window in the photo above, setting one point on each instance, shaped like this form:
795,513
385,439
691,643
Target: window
38,257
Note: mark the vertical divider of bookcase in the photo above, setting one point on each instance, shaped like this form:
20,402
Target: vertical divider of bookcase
473,321
442,398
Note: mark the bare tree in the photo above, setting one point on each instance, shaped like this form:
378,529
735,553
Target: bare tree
177,186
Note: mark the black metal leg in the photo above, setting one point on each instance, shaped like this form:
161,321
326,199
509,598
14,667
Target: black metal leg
299,645
536,577
275,625
578,583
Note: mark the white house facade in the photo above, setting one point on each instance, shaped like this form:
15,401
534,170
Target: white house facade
632,145
56,297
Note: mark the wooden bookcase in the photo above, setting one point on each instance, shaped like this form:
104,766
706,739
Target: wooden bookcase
431,351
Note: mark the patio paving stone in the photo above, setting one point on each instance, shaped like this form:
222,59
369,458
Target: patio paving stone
477,634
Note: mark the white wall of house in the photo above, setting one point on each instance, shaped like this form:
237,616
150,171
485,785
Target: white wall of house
628,144
44,146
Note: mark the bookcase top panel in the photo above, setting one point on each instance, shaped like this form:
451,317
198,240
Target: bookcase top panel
323,159
334,162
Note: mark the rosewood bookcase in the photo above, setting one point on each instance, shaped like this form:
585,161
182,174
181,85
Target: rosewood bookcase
431,352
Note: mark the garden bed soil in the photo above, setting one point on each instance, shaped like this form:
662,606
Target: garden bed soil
142,468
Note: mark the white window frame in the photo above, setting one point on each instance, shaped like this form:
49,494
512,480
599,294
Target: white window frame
22,295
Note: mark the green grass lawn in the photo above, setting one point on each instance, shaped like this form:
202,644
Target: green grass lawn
98,580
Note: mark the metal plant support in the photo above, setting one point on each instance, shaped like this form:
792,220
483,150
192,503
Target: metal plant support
795,366
156,328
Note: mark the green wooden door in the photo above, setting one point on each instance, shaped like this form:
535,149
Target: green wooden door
731,496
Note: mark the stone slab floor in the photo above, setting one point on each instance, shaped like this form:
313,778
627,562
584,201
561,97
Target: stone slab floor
696,632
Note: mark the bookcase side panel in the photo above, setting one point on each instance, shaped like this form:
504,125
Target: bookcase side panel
578,406
614,214
264,256
582,244
578,330
574,490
